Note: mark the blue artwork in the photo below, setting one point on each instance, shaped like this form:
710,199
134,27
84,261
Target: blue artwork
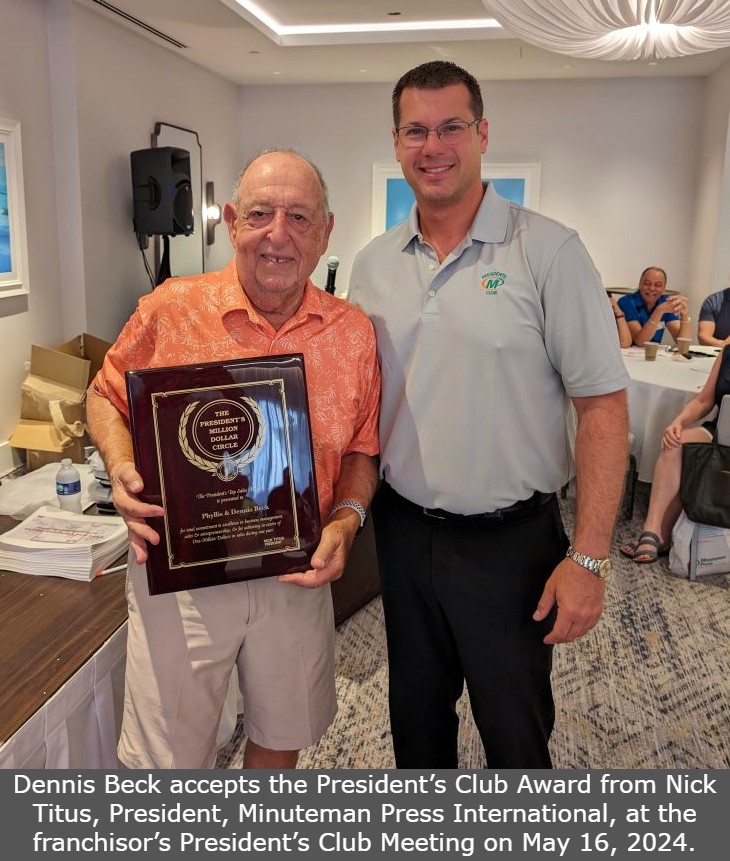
399,197
5,261
399,200
512,189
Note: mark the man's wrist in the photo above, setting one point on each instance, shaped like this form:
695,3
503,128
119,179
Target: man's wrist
353,505
117,465
598,565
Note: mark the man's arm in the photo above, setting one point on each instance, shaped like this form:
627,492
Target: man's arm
643,334
358,480
706,334
601,449
110,434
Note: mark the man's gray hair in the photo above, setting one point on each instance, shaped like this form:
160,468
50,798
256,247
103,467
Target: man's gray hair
291,151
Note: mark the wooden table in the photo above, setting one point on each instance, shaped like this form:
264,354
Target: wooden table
52,631
49,627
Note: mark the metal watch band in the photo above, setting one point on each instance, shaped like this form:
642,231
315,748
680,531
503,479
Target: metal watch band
595,566
355,505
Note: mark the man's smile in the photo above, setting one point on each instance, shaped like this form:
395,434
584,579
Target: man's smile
271,258
433,171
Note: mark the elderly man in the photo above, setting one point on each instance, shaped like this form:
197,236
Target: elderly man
278,632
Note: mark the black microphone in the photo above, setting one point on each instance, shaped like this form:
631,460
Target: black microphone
332,264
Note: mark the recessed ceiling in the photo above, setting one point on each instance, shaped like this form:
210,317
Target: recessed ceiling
227,39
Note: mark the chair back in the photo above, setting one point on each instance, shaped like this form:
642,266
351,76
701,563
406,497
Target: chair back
723,421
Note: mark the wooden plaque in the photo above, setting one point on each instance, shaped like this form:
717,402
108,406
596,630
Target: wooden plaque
226,449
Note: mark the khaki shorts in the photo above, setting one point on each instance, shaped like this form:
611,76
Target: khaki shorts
182,647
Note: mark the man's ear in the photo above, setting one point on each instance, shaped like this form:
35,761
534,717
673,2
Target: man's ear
327,233
483,135
229,216
396,151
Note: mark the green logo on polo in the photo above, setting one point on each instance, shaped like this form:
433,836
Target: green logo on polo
492,281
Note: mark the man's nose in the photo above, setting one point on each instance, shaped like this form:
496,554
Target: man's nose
279,226
432,142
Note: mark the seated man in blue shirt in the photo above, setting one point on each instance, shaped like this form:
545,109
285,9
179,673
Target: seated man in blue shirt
713,329
649,309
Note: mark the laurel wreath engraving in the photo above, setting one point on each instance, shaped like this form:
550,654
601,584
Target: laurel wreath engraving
212,466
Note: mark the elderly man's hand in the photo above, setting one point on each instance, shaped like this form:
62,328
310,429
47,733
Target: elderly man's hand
678,305
328,561
126,484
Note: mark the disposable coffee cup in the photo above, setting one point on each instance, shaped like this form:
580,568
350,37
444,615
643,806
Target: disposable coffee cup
650,351
683,345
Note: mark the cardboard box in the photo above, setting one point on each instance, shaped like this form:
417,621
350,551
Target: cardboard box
89,348
53,400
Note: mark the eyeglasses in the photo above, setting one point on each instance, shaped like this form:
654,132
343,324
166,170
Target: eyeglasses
451,132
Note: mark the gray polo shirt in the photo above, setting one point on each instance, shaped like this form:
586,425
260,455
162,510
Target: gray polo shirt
479,352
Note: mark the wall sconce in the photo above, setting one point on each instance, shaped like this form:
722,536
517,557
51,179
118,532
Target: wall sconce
212,214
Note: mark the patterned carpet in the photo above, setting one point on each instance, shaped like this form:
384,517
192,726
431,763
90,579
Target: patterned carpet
648,688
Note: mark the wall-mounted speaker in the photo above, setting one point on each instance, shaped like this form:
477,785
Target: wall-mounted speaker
161,192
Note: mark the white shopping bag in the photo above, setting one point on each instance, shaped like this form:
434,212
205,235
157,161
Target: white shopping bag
698,549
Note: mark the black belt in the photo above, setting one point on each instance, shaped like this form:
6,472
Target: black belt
533,503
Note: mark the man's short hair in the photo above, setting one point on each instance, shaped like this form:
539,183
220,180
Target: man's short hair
657,268
291,151
434,76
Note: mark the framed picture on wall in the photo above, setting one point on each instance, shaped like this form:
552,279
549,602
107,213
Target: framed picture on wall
13,243
393,198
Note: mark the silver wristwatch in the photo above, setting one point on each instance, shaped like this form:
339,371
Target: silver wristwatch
355,505
600,567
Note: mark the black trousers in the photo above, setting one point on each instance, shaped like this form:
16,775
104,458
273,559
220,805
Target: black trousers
458,598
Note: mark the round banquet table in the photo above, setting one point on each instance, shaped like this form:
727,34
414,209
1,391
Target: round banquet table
657,393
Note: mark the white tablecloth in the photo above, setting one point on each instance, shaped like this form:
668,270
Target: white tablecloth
657,394
79,725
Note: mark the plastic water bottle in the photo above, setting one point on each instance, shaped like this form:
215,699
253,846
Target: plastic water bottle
68,486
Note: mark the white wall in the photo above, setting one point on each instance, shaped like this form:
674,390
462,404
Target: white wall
87,92
124,84
25,96
619,158
710,247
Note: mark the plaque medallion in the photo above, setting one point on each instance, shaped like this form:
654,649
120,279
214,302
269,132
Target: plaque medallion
226,449
223,436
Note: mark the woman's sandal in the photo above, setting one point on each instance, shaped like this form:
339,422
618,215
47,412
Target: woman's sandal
652,552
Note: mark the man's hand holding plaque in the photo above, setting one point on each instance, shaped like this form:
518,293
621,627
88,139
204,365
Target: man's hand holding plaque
127,484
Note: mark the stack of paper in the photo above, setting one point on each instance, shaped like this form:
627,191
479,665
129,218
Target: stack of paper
700,350
63,544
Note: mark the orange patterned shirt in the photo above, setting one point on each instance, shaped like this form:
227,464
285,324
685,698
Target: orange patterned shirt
208,318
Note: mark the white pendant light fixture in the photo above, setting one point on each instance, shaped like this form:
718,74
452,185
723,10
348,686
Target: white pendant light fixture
618,29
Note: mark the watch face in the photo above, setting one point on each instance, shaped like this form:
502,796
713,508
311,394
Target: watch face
604,568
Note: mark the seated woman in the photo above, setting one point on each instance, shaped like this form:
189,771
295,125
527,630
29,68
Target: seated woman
649,309
624,333
664,504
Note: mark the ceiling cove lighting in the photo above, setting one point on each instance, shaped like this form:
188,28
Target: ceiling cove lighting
648,30
342,33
